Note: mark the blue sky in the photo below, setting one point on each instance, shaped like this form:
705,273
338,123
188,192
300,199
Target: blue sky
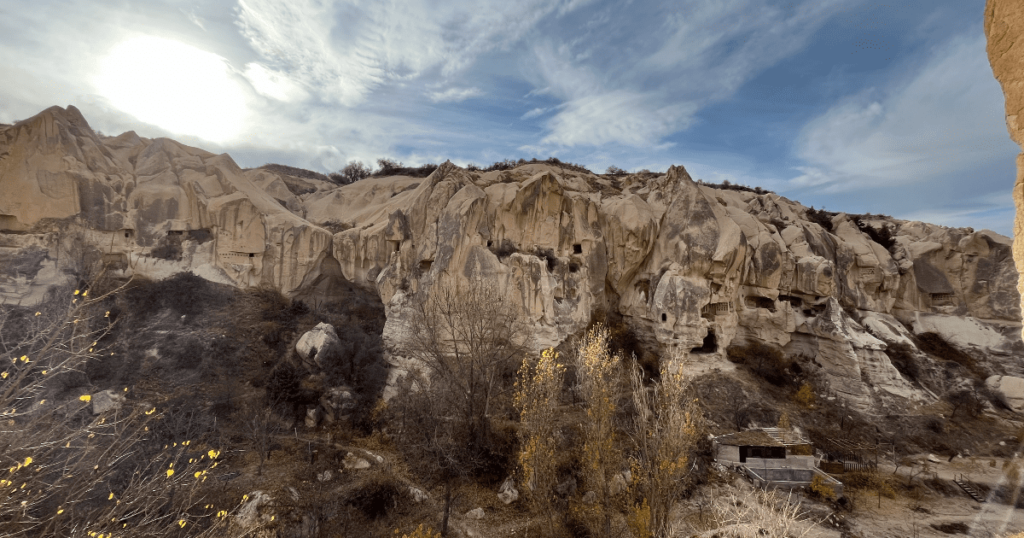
852,105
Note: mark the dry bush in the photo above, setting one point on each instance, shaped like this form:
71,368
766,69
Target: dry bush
72,473
758,514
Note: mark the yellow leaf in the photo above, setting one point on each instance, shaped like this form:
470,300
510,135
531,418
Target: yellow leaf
181,523
39,313
111,496
170,473
28,461
85,397
77,292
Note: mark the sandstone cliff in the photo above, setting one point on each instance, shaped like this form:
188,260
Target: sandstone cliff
693,268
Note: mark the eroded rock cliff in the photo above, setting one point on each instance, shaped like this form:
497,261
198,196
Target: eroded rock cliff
692,268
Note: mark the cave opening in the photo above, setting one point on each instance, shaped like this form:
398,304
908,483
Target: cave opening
710,344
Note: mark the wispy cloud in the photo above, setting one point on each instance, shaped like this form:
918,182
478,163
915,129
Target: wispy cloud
533,113
455,95
346,49
945,117
636,90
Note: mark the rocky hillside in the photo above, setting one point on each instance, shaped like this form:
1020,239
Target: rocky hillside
691,269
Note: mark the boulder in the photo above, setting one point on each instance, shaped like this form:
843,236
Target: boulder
312,417
354,462
476,513
1009,389
417,494
317,344
106,400
508,493
249,514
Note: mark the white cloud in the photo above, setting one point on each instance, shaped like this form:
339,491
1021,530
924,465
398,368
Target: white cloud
638,91
947,117
533,113
620,116
345,49
455,95
273,85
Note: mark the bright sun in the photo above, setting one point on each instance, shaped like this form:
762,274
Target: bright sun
175,86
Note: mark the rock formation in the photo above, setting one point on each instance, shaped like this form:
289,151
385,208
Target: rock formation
1004,26
692,268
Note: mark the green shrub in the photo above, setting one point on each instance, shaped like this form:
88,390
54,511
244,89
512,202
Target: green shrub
821,217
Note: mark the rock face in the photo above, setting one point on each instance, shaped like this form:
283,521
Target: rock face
1004,24
146,207
1010,390
691,268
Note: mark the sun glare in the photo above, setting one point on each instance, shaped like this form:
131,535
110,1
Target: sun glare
174,86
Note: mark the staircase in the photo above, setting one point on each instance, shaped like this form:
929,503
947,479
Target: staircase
959,480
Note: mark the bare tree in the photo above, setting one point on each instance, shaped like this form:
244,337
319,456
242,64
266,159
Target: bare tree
470,338
67,470
260,429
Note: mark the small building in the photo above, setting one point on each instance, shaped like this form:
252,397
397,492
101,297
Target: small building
772,457
737,447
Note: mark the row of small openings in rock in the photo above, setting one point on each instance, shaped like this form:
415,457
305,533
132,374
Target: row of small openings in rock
753,301
710,310
576,248
795,302
943,299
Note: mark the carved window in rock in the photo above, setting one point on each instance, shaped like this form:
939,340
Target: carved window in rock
868,272
941,299
754,302
577,248
793,301
713,309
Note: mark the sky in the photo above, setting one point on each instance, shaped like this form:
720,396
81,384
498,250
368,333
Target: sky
852,105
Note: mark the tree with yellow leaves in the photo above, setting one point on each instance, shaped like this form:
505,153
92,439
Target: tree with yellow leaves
599,375
667,425
538,388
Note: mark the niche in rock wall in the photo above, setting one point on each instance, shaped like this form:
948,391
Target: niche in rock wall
10,223
753,301
867,272
710,344
644,287
115,261
577,249
395,245
943,299
814,309
795,302
425,266
200,235
709,311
